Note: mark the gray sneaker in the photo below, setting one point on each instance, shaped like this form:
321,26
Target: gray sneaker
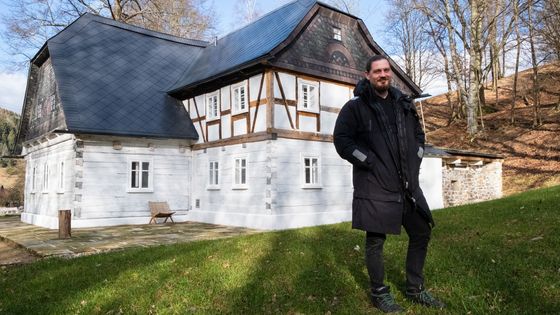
384,300
422,296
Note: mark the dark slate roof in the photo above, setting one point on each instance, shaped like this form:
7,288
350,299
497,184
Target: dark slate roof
430,150
245,45
112,78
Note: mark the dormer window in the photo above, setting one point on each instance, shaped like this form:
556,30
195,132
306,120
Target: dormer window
337,34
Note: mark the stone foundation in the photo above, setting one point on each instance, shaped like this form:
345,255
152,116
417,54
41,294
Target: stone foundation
468,182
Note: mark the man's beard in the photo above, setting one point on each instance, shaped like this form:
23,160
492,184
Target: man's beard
381,88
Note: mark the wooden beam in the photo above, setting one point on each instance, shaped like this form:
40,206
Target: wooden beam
199,120
253,137
269,100
302,135
284,99
258,103
288,102
330,109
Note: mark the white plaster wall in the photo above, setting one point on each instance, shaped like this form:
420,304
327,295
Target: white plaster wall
281,120
254,84
335,192
328,121
260,124
225,94
226,126
213,132
308,124
431,181
104,199
200,104
334,95
240,127
288,84
41,205
227,198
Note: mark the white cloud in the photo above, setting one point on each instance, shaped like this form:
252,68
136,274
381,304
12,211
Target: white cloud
12,90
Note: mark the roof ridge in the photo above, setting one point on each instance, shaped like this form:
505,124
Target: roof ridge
145,31
263,16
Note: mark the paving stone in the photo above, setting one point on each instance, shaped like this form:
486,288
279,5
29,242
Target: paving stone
87,241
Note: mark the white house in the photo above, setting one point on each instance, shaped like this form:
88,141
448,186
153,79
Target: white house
236,132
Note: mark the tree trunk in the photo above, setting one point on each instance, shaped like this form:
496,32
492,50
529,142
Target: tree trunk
534,62
64,224
518,53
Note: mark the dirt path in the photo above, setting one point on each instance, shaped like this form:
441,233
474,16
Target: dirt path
10,255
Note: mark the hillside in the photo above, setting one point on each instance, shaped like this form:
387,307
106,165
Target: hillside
11,171
532,155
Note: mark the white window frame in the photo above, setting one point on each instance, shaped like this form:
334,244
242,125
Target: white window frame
318,183
337,33
239,172
60,187
236,99
34,179
45,178
213,175
304,96
212,113
150,171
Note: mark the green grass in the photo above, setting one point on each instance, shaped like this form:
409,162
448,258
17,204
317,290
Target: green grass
493,257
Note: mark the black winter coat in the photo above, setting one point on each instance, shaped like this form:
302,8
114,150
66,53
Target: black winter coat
385,169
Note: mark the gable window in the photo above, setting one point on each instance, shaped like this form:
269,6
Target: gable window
240,99
311,167
240,173
308,98
337,33
140,176
213,174
61,177
212,111
46,178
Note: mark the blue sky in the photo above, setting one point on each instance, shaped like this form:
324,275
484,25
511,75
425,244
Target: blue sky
12,84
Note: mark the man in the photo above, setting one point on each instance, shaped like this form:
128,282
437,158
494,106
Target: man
378,131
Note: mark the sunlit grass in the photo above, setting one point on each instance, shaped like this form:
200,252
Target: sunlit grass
498,256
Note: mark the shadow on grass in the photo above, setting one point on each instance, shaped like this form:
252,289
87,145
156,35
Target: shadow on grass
485,258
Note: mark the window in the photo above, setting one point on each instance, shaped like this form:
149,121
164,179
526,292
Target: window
311,172
46,178
308,99
61,177
212,106
337,33
240,172
140,176
34,179
213,174
239,99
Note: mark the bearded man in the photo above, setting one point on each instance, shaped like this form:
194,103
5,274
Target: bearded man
379,132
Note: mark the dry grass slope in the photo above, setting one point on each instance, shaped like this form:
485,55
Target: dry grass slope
532,154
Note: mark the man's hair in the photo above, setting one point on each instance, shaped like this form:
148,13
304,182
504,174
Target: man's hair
374,59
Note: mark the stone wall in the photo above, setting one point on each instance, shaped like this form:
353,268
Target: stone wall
471,182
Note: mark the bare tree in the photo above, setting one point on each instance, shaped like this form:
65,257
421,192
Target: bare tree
348,6
247,10
29,23
413,48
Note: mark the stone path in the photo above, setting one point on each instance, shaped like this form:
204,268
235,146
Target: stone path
43,242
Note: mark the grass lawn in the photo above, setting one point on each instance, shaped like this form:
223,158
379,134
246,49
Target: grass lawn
493,257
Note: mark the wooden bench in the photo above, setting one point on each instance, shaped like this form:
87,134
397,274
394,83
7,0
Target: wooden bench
160,210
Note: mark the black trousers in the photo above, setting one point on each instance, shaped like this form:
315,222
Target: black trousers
419,232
